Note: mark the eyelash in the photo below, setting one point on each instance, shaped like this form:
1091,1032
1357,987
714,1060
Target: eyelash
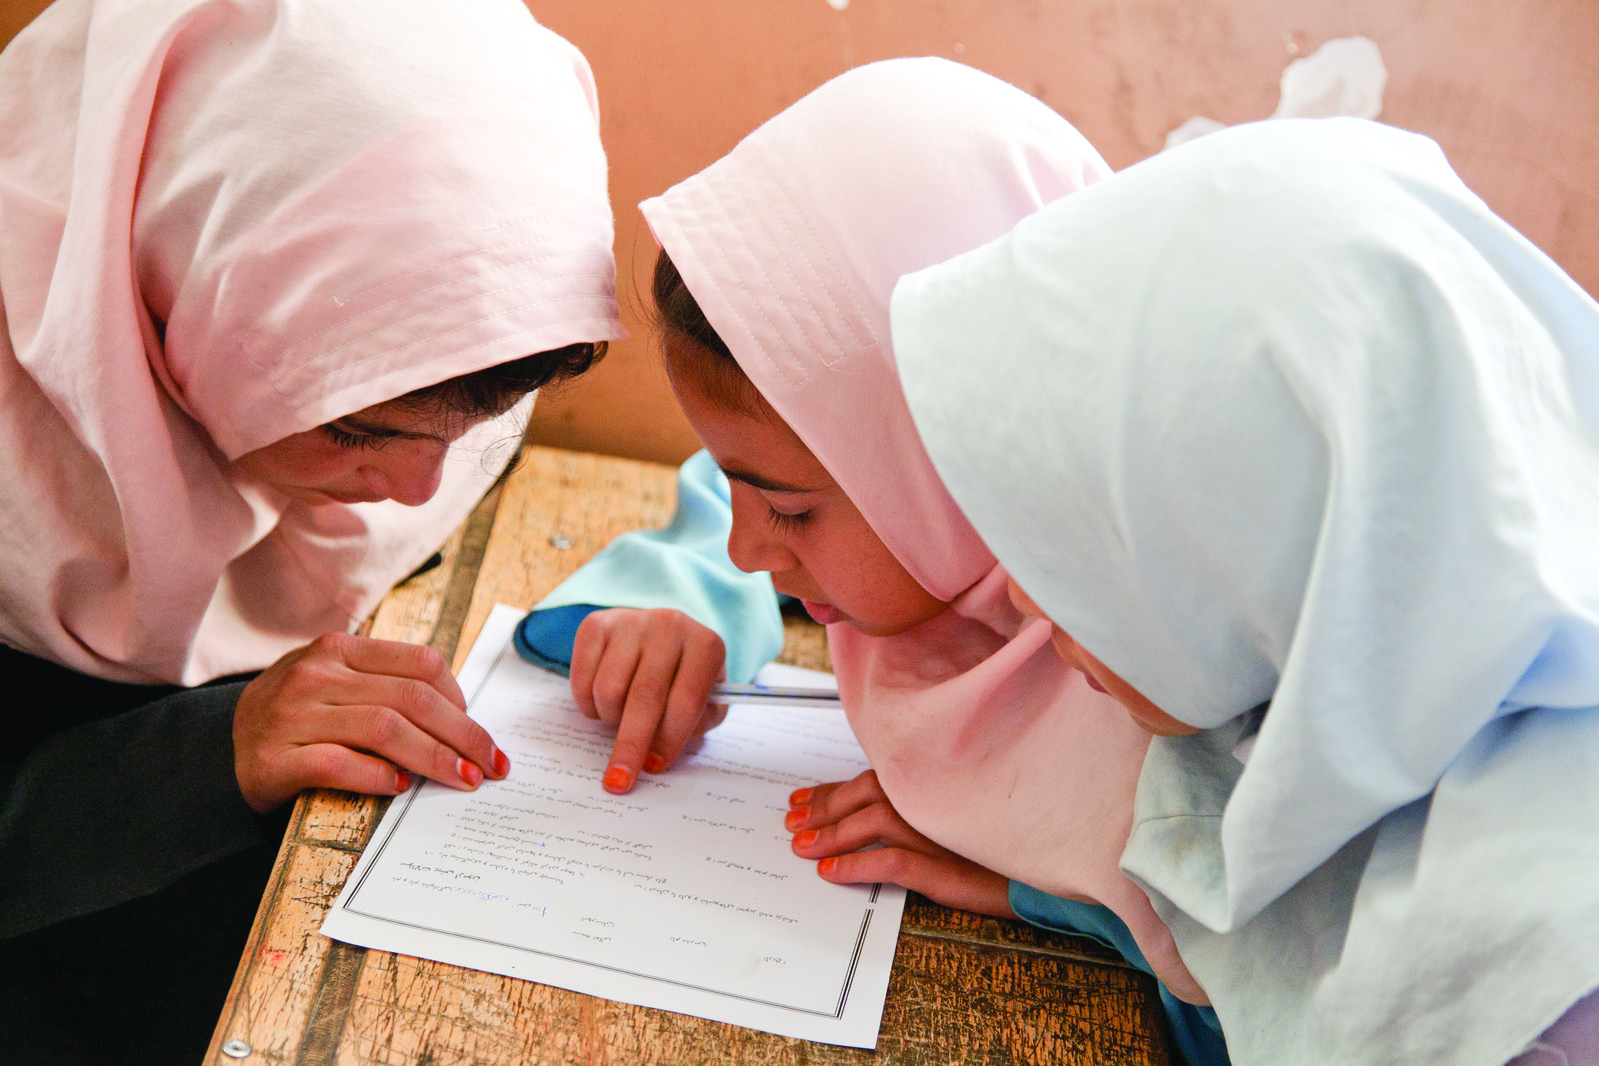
345,439
786,523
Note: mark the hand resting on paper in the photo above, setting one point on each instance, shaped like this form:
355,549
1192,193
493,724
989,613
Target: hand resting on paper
839,823
647,674
354,713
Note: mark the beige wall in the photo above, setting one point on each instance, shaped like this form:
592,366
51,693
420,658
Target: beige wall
15,14
1510,88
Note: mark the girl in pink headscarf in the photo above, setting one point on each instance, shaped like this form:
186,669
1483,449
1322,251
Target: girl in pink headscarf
1002,781
274,275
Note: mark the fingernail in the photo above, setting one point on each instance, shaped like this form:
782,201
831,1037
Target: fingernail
617,779
796,818
799,797
825,866
502,763
653,763
402,781
805,839
469,771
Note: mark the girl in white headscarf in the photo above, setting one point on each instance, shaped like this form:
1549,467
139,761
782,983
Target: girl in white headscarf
1297,444
274,275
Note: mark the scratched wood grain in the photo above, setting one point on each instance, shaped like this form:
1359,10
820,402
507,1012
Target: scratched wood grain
948,1002
965,988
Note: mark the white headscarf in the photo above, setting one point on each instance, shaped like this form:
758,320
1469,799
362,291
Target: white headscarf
1288,415
223,222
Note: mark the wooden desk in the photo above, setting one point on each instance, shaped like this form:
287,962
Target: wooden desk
965,989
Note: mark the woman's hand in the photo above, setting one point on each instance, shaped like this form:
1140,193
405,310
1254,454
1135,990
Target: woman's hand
834,823
646,674
359,714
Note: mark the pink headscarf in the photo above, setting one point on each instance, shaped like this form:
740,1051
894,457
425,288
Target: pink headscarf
791,244
223,222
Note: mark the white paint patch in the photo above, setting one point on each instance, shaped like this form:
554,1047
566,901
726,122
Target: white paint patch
1345,76
838,5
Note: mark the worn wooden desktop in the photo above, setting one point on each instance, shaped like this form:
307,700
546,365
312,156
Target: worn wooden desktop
964,989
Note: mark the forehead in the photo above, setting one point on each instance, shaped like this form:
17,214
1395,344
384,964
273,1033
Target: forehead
761,451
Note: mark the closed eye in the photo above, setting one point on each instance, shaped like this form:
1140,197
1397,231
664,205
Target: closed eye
786,523
345,439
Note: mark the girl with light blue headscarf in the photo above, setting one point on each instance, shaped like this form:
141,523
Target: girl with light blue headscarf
1297,443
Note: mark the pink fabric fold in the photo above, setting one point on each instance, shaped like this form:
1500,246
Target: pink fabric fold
791,244
223,222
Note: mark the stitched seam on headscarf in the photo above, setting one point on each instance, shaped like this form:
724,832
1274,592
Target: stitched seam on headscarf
744,286
783,263
311,340
793,277
821,247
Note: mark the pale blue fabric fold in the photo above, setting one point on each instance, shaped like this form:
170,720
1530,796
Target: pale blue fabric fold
684,566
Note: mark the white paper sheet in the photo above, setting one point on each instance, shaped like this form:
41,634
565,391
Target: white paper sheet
682,895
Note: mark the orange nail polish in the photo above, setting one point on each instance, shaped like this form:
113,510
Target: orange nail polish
653,763
402,781
796,818
617,779
502,763
805,839
470,772
799,797
825,866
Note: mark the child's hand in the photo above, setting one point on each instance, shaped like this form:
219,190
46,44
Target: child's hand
359,714
835,822
646,674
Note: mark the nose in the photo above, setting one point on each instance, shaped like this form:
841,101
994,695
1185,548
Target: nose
752,544
407,472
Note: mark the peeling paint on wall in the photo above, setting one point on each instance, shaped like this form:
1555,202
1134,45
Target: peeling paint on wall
1345,76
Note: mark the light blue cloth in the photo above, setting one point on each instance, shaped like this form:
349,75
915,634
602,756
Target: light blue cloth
684,566
1194,1032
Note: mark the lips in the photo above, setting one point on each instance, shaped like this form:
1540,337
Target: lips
1094,684
824,613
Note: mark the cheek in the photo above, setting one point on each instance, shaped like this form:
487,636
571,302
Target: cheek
301,460
869,583
845,555
316,465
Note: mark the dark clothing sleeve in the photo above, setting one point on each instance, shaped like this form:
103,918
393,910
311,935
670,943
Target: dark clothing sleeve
130,866
118,804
